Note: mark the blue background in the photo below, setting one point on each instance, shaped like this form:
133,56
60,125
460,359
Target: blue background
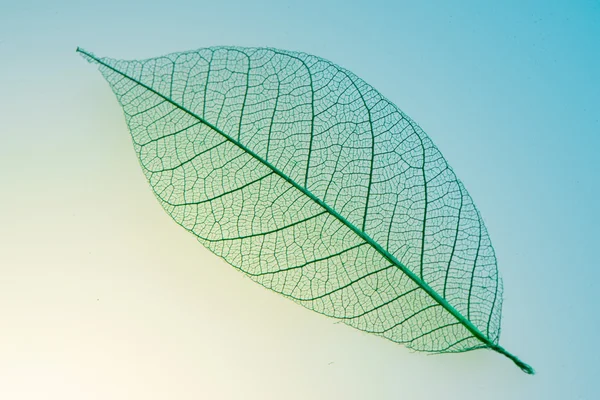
102,296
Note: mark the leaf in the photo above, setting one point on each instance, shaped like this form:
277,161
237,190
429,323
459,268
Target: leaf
307,179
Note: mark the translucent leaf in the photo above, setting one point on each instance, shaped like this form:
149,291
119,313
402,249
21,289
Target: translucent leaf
307,179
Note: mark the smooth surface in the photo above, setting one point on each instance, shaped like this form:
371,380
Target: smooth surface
103,296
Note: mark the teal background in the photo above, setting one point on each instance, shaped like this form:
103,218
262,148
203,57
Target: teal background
103,296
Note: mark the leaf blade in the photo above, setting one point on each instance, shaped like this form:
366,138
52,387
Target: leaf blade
437,310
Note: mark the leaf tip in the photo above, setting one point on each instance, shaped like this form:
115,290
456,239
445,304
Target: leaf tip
86,55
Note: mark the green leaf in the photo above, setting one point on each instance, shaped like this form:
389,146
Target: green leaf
307,179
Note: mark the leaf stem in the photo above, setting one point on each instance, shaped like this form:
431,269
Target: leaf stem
524,366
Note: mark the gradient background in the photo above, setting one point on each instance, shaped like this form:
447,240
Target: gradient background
103,296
